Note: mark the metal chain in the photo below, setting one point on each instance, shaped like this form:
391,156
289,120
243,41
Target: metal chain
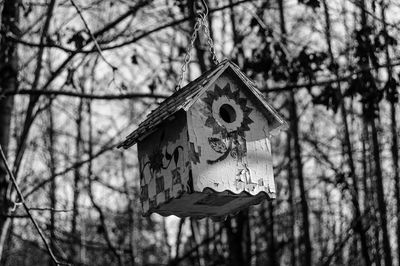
187,58
209,40
201,23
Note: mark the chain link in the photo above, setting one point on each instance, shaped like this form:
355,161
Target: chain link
187,57
201,23
209,40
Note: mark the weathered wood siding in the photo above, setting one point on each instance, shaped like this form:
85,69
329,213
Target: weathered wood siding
164,163
222,160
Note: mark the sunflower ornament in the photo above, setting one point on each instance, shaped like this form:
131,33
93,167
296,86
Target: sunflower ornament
228,116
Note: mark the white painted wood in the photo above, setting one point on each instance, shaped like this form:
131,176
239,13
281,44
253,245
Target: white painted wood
211,155
254,171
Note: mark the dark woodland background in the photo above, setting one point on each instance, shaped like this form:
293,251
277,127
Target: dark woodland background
77,76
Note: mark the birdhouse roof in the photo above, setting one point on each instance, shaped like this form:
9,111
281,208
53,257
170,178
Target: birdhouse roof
186,96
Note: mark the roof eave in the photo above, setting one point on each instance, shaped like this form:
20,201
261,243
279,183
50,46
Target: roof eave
279,123
128,142
207,86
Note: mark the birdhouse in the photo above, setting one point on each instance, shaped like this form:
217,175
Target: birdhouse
205,151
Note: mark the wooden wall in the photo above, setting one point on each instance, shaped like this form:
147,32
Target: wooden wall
235,162
164,162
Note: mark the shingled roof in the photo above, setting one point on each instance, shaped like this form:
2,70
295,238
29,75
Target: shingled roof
185,97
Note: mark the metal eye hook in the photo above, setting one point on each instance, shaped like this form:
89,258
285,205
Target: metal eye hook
200,8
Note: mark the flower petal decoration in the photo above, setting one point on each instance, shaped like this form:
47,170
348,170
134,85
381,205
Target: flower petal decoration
217,99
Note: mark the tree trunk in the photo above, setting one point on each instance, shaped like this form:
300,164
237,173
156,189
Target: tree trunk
53,185
369,195
30,115
238,52
130,212
197,242
238,240
393,128
292,210
376,152
271,236
380,195
358,221
8,82
76,192
307,259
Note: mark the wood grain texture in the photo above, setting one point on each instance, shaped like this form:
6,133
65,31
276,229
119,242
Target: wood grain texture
213,159
253,173
163,160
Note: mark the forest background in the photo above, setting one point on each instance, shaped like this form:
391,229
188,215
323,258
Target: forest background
77,76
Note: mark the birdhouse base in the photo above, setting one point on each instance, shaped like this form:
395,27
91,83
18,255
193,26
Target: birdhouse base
217,205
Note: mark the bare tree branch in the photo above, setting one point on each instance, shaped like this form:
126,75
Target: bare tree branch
48,209
110,26
294,86
132,95
96,44
68,169
27,209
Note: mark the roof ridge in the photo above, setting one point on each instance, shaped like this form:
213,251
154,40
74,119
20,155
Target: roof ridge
186,96
253,87
175,102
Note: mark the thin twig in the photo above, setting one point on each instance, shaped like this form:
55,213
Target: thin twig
49,209
110,26
295,86
14,181
286,87
103,225
121,96
176,261
96,44
69,168
372,15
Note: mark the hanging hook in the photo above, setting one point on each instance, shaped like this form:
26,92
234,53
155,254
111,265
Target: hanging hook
200,8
